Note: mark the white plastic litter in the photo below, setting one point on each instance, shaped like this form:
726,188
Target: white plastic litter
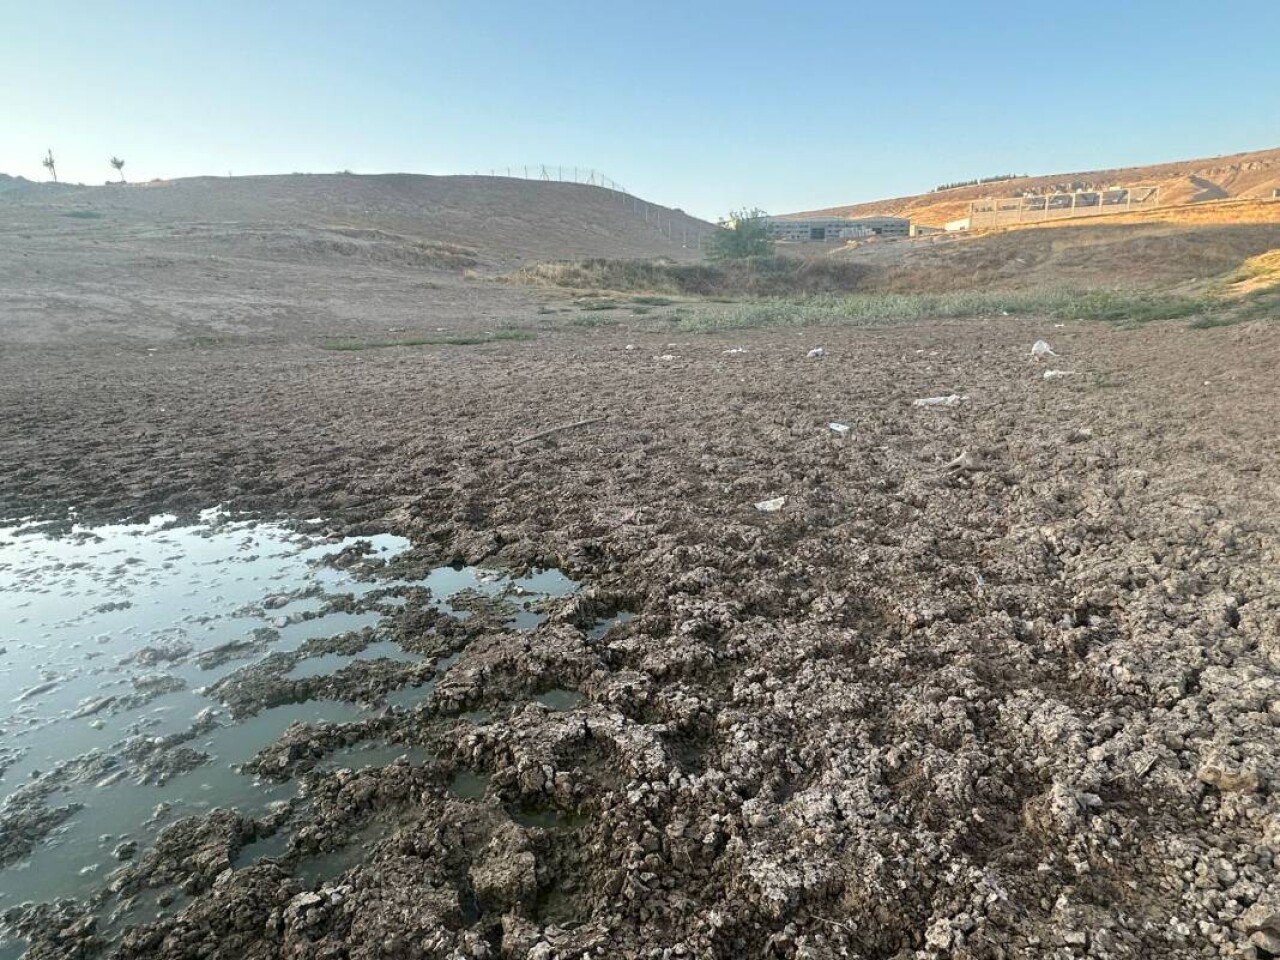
665,356
1041,349
817,353
952,400
771,506
840,428
1058,374
630,346
733,351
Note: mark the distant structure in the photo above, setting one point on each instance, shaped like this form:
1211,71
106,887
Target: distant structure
819,229
1001,211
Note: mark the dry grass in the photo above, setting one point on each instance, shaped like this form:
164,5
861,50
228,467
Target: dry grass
751,277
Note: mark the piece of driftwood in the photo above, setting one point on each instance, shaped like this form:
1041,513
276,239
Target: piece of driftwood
560,429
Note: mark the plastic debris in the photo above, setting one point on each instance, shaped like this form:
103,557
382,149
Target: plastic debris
733,351
965,463
630,346
771,506
1041,349
817,353
951,400
665,356
840,428
1058,374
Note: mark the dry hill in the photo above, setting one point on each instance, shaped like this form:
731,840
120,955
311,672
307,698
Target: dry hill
302,255
501,218
1242,175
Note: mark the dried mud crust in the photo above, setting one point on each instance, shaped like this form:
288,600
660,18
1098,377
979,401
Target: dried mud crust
1026,708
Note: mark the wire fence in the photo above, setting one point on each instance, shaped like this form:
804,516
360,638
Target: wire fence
677,226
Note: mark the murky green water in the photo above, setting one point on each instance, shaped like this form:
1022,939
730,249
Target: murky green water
560,699
101,636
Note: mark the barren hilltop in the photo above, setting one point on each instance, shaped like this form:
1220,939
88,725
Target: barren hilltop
500,218
1254,175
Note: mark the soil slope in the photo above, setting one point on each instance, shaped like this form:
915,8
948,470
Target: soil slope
1114,254
1252,175
500,217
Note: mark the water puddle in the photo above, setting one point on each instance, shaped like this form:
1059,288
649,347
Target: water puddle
374,754
560,699
109,636
600,629
317,870
322,664
468,785
547,818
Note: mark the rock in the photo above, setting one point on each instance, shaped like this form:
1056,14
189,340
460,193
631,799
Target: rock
1229,780
126,850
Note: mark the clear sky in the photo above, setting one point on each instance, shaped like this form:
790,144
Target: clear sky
703,104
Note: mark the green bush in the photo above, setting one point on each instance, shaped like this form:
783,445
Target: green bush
743,234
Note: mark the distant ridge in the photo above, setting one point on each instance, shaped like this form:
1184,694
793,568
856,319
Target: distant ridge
1254,175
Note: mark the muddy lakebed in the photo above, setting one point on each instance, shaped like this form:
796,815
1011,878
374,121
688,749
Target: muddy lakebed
998,679
157,677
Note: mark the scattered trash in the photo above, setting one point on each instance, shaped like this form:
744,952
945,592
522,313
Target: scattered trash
665,356
1041,349
817,353
1058,374
952,400
771,506
840,428
735,350
965,463
630,346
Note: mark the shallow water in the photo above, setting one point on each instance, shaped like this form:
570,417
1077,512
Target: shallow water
100,634
333,662
468,785
560,699
599,631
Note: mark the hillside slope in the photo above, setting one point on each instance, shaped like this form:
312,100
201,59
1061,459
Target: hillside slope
299,256
1093,255
1241,175
500,217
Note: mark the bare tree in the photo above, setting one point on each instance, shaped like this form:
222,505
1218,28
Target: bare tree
119,165
50,166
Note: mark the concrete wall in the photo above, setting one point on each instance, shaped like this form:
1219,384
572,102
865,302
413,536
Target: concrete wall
1061,206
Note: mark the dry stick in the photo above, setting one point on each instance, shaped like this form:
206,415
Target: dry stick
562,427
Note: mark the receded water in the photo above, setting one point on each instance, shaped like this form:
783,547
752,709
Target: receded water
102,632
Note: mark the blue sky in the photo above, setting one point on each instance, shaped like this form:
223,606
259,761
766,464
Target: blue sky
703,105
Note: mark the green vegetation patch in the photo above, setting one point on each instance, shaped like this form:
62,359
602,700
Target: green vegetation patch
886,309
657,282
465,340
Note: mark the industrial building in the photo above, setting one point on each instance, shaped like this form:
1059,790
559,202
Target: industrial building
814,229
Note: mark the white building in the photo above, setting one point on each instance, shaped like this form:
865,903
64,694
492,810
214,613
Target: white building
817,229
